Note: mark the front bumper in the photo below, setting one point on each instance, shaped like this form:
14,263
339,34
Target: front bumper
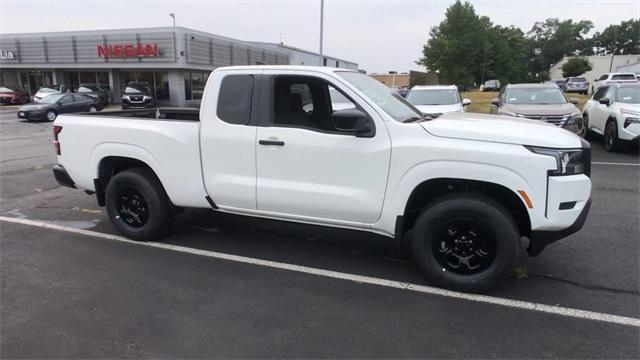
538,240
63,178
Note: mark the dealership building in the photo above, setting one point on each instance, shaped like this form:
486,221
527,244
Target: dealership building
174,61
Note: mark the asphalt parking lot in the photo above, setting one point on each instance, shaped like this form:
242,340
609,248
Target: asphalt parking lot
68,294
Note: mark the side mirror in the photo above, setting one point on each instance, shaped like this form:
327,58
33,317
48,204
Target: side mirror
466,102
495,101
573,101
352,121
605,101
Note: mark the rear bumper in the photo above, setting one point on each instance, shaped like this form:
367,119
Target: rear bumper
63,177
538,240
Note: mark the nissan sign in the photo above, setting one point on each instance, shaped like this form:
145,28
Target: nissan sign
128,50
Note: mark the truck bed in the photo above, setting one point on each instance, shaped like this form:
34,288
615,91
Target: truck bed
167,140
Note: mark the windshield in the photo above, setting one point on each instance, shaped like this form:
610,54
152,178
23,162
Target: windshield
135,89
88,88
50,99
434,97
534,96
578,79
5,89
629,94
393,104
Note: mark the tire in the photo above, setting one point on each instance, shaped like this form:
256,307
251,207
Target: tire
137,205
587,130
51,115
611,140
492,231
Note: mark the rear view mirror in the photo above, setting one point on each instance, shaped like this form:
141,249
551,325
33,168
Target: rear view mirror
353,121
466,102
573,101
495,101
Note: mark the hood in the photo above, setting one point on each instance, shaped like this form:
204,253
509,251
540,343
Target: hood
551,109
32,107
7,94
42,94
501,129
630,106
439,109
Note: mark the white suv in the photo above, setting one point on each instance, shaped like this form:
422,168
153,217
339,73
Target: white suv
612,78
614,111
437,99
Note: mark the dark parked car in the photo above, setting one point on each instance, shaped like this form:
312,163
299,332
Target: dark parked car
138,94
96,92
13,95
52,105
491,85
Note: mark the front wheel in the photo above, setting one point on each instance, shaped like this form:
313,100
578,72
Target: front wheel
138,205
51,115
465,242
611,141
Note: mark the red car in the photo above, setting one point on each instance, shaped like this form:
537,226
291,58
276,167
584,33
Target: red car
13,95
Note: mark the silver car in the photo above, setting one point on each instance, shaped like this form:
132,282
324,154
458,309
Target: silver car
576,84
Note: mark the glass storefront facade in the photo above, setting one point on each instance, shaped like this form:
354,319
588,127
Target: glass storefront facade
158,80
194,82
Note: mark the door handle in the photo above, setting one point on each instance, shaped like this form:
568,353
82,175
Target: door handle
271,142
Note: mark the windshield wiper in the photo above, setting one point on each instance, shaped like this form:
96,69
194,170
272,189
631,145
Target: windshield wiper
423,117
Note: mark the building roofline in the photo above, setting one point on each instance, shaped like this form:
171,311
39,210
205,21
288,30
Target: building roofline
299,49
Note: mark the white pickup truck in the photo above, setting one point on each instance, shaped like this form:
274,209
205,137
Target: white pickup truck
460,190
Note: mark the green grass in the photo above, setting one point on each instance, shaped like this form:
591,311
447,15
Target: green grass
481,101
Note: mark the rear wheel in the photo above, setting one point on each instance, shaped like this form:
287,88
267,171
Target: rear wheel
611,141
465,242
138,205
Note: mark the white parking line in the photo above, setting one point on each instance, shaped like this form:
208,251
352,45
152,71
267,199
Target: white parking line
613,163
517,304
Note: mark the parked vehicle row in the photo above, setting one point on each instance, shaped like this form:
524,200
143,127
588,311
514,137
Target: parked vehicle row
612,78
459,190
13,95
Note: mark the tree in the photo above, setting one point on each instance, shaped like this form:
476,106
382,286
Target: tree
551,40
619,39
575,66
457,46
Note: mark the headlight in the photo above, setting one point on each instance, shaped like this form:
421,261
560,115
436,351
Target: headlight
568,161
575,118
145,98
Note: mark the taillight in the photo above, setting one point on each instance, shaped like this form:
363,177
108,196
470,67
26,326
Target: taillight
56,130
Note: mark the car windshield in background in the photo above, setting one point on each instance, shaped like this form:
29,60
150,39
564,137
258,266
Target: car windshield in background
393,104
623,77
4,89
86,88
433,97
578,79
50,99
629,94
133,89
534,96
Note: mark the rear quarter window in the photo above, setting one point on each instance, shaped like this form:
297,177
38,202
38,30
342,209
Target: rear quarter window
234,99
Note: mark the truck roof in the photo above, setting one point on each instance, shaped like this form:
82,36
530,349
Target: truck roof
324,69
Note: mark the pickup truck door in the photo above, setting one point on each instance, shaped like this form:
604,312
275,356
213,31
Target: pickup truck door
306,168
228,139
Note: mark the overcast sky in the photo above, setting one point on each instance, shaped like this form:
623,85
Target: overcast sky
378,35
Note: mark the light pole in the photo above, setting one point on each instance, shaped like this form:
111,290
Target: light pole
321,30
173,16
